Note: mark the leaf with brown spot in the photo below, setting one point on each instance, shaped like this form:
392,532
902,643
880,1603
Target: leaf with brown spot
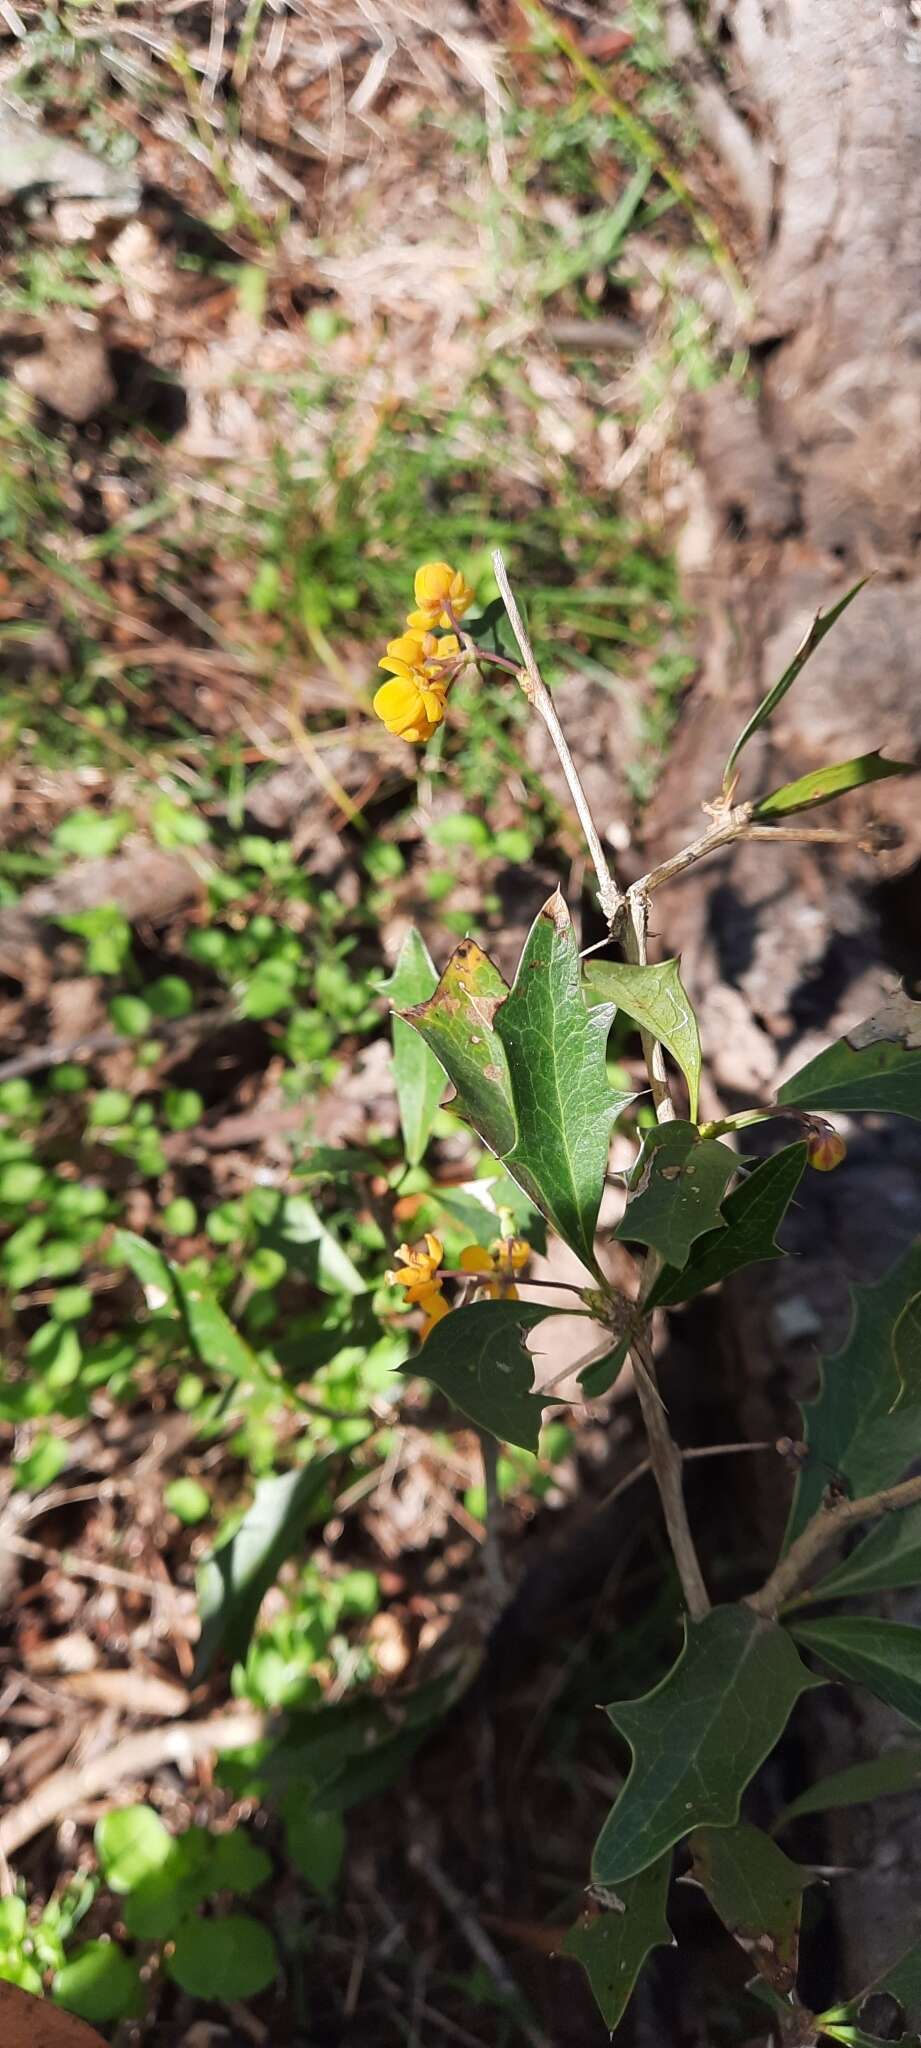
757,1893
457,1026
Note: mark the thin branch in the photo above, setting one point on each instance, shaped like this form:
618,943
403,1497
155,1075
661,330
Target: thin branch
57,1054
665,1459
634,942
465,1920
827,1524
535,689
687,1457
137,1757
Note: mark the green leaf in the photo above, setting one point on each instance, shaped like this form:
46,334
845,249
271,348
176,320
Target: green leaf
457,1026
885,1656
752,1215
418,1075
564,1105
821,624
229,1959
656,999
598,1378
875,1066
232,1581
882,1777
99,1982
757,1893
149,1267
188,1499
477,1356
238,1864
901,1981
213,1336
699,1737
612,1947
131,1841
850,1426
676,1189
888,1558
315,1842
164,1897
906,1350
300,1234
826,783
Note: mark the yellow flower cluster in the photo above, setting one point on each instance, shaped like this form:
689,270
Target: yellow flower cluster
412,704
421,1279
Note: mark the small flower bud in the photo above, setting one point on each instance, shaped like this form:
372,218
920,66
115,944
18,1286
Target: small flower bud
824,1148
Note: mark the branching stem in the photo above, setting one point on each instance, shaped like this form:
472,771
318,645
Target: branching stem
827,1523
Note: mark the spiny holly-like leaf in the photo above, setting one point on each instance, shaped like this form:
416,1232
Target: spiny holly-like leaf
875,1066
885,1656
234,1579
752,1215
564,1105
457,1026
821,624
901,1981
906,1350
418,1076
850,1427
882,1777
757,1893
888,1558
656,999
478,1357
825,783
612,1947
676,1188
699,1737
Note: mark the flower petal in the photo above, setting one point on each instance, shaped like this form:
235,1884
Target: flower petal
474,1259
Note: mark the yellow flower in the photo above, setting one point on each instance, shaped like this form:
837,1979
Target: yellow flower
419,1277
412,704
435,584
506,1257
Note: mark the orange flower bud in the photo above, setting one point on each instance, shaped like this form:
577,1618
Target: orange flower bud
824,1148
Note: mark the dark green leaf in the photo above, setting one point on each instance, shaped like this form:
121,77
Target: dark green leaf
901,1981
229,1959
656,999
477,1356
882,1777
457,1026
757,1893
161,1900
612,1947
564,1105
234,1579
99,1982
876,1066
752,1215
315,1842
699,1737
826,783
850,1427
418,1076
821,624
599,1377
676,1189
339,1754
906,1350
238,1864
888,1558
885,1656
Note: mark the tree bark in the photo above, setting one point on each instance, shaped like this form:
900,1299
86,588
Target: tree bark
801,490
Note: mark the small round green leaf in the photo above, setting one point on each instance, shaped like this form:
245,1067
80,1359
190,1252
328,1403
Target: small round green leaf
315,1843
238,1864
188,1499
229,1959
131,1842
99,1983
